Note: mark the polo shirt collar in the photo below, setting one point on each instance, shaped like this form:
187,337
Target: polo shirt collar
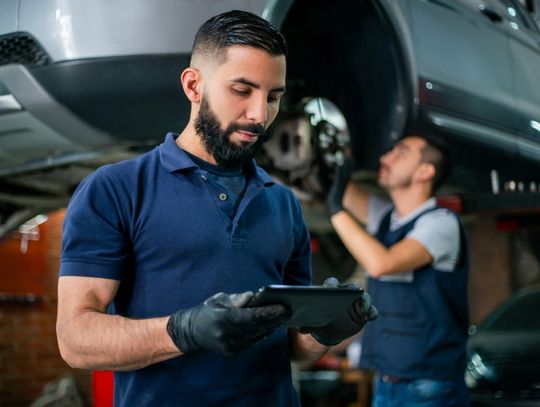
259,174
173,158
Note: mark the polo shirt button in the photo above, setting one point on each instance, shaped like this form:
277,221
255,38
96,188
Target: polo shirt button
223,197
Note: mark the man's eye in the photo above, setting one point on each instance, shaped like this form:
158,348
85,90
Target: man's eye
241,91
272,99
401,153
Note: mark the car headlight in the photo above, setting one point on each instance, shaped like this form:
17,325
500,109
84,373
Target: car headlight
477,369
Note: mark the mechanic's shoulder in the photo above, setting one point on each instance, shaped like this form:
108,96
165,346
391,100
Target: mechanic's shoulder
439,216
284,192
445,212
108,179
127,170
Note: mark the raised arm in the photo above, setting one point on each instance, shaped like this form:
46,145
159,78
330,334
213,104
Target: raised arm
356,201
89,338
378,260
344,194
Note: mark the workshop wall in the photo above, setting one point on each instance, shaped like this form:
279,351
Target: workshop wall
490,276
29,356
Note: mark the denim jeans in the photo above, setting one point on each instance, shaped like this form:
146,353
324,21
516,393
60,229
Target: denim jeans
421,393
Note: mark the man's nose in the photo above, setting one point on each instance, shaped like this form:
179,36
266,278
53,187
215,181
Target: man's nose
385,158
258,110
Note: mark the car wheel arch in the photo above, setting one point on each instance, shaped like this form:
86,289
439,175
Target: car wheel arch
360,59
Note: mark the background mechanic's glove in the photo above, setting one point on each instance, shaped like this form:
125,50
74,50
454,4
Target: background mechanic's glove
334,199
346,324
221,325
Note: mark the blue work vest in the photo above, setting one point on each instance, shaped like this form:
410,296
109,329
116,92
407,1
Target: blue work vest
421,331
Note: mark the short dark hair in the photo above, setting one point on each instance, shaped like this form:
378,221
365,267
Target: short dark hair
435,152
237,27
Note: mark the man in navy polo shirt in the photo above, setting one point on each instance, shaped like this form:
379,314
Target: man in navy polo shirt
161,253
415,255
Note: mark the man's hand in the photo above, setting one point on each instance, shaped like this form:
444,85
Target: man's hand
334,199
346,324
222,325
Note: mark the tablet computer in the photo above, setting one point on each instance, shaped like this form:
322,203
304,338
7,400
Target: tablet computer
311,306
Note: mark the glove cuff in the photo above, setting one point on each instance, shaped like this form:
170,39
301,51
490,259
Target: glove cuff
333,211
327,341
179,329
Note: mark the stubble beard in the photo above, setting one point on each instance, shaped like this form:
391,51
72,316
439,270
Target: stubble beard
400,183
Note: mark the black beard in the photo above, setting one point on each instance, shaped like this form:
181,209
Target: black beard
216,141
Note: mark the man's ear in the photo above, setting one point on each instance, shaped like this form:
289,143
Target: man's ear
192,84
425,172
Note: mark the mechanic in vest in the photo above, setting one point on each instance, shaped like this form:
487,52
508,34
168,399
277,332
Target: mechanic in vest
415,255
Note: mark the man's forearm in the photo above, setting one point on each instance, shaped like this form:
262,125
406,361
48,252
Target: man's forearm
367,250
94,340
405,255
304,348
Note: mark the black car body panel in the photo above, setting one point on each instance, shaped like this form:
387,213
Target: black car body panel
504,351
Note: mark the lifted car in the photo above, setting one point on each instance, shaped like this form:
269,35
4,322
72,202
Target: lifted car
87,83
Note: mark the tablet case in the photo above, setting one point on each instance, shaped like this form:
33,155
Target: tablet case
311,306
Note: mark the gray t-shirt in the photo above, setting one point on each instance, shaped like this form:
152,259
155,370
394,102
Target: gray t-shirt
437,231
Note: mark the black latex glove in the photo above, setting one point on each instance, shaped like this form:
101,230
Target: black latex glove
334,199
221,325
346,324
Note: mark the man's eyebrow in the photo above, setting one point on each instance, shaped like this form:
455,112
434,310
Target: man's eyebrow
402,146
247,82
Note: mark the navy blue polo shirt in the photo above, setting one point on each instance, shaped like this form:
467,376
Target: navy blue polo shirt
159,226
